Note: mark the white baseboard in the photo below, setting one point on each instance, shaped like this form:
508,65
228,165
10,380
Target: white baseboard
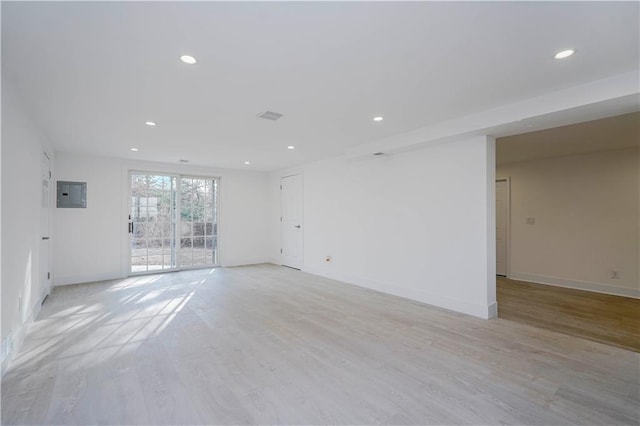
492,310
245,262
274,261
473,309
87,278
578,285
107,276
17,337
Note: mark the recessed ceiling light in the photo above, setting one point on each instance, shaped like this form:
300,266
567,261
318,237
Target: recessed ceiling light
188,59
564,54
247,163
134,149
291,147
378,118
150,123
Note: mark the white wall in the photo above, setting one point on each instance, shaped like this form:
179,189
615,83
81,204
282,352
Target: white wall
586,220
22,152
91,243
418,224
87,241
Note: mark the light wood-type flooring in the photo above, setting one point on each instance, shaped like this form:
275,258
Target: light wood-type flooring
605,318
270,345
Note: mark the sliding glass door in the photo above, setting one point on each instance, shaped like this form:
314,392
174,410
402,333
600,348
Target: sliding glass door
172,222
152,222
198,224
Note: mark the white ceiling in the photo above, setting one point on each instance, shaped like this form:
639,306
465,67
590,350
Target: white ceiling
619,132
93,73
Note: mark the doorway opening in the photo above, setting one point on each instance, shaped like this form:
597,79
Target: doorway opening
571,209
173,222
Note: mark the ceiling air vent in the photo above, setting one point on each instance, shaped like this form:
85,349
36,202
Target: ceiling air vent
270,115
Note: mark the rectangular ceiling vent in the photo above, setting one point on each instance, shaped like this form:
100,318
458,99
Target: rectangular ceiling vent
270,115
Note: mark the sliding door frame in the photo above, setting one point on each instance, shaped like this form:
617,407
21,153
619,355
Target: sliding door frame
216,218
178,221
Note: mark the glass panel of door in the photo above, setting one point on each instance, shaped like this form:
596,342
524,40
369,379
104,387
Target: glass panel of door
153,221
173,222
198,224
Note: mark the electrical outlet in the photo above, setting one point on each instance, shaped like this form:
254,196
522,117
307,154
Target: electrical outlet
531,221
614,274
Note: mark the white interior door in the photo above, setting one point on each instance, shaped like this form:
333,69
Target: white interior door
292,226
45,242
502,225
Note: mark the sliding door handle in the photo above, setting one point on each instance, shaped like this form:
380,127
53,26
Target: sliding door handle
45,238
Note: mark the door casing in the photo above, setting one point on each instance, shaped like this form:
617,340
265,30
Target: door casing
292,220
45,226
507,224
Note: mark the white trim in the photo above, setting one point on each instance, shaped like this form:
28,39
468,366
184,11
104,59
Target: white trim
249,261
508,240
273,260
289,172
88,278
17,337
578,285
46,288
6,361
286,175
125,240
302,219
219,242
492,310
477,310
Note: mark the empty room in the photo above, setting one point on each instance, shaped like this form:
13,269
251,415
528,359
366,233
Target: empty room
320,213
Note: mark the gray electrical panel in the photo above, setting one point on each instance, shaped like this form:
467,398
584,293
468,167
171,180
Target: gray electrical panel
72,194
